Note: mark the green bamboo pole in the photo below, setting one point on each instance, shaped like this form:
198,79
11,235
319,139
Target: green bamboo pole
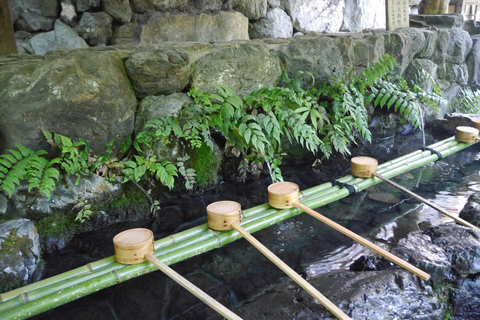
219,241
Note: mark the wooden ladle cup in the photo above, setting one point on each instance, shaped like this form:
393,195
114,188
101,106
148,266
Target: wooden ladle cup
136,246
226,215
283,195
466,134
366,167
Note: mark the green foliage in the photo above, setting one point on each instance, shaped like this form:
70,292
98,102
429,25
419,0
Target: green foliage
468,101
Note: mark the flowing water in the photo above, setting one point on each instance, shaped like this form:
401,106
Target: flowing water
237,273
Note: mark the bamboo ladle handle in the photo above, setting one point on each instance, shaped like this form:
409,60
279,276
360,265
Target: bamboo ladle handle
421,199
365,242
192,288
291,273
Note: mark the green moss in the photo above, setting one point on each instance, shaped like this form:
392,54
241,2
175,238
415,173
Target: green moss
206,164
14,243
56,224
9,282
130,197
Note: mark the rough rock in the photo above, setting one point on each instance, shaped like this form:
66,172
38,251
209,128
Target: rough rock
473,62
466,299
384,197
471,26
3,204
438,20
416,67
449,122
361,52
23,40
169,218
242,67
315,15
451,72
127,34
363,14
86,5
403,44
142,6
96,28
386,294
459,45
68,13
440,54
461,245
252,9
383,125
430,42
418,249
277,24
450,94
57,93
62,38
119,9
20,251
66,195
319,55
274,3
158,70
471,211
222,27
33,15
152,107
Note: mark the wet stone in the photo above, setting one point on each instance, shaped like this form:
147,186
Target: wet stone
471,211
384,197
466,299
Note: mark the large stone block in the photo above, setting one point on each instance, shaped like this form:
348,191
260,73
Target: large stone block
34,15
252,9
473,62
415,68
459,45
277,24
85,94
62,38
453,72
96,28
242,67
403,44
361,52
430,42
119,9
158,70
224,26
319,55
440,53
364,14
142,6
315,15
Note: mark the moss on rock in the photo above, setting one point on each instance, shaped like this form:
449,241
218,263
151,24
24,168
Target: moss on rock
206,163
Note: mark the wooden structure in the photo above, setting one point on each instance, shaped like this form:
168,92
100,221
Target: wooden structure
8,44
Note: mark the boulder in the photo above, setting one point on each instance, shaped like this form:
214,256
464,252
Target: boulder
158,70
451,72
68,14
20,252
127,34
3,204
142,6
277,24
403,44
62,38
449,122
440,53
473,62
315,15
471,211
34,15
23,40
319,55
466,299
360,52
221,27
86,5
445,21
242,67
415,68
96,28
252,9
430,42
459,45
364,14
119,9
83,94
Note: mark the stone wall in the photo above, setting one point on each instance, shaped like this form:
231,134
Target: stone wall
47,25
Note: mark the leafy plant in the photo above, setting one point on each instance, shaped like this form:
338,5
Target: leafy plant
468,101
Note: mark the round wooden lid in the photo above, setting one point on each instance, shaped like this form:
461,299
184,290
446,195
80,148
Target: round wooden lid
283,188
466,129
133,237
365,161
224,207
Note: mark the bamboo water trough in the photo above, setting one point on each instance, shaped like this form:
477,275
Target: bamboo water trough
49,293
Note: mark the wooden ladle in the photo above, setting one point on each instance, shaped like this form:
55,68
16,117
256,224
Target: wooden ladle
467,134
366,167
283,195
226,215
136,245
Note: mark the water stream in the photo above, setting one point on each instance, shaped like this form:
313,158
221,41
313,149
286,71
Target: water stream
237,273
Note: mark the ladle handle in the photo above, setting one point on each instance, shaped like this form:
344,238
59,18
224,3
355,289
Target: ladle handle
192,288
365,242
419,198
291,273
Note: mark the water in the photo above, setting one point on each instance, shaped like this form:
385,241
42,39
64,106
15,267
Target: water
237,273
